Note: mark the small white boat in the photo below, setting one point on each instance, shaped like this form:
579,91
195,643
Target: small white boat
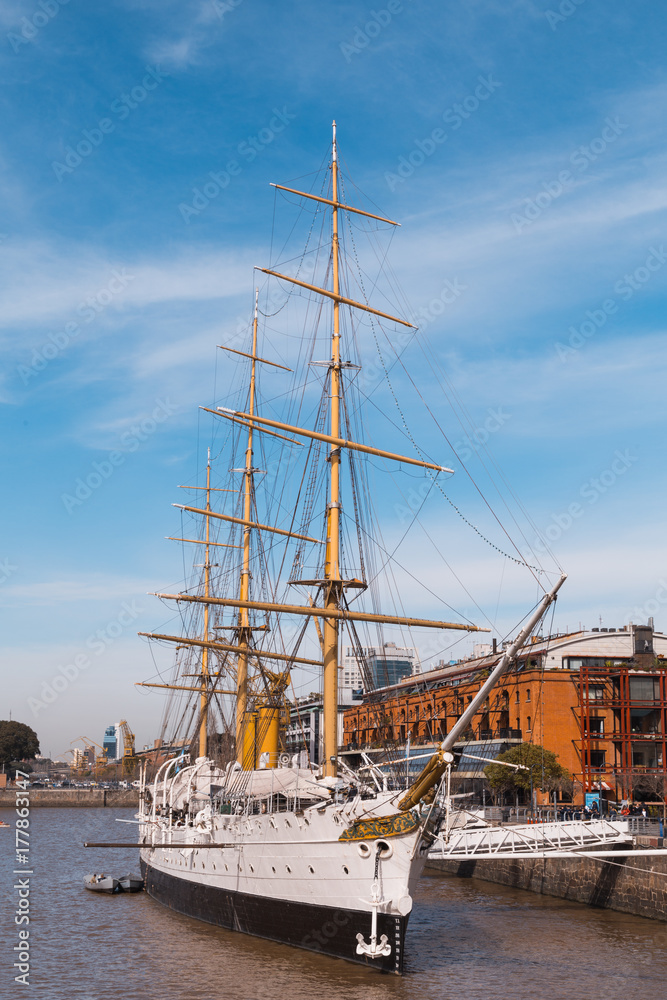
131,883
101,883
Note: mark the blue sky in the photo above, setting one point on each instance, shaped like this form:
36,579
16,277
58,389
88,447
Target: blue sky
521,146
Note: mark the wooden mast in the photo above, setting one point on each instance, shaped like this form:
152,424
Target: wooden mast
244,633
333,584
332,572
203,697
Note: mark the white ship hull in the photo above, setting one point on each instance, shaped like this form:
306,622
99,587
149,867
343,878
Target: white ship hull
288,876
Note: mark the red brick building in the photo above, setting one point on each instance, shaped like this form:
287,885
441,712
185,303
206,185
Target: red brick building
597,699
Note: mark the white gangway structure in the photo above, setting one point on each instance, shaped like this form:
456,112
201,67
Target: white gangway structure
566,839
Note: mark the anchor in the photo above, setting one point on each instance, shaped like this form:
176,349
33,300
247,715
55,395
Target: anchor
374,950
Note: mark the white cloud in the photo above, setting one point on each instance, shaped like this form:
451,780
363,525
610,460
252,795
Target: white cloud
194,30
46,282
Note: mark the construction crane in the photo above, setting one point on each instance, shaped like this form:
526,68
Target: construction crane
129,758
100,759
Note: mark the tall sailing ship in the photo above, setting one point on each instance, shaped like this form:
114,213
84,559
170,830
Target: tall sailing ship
234,830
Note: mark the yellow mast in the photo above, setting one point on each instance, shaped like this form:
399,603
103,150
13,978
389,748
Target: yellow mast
332,613
203,698
332,574
244,632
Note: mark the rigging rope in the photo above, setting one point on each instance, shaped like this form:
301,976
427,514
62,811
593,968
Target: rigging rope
434,478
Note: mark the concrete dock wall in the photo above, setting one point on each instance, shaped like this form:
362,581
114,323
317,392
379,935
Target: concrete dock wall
72,797
630,885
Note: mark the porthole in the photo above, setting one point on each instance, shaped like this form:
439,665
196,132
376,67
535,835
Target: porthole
311,869
346,870
273,869
287,823
288,869
251,868
364,850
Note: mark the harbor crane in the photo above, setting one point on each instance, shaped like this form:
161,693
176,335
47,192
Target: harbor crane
100,760
129,758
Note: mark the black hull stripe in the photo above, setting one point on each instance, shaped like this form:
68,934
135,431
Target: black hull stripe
322,929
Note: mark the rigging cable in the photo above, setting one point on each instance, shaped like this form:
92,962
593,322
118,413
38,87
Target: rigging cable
434,478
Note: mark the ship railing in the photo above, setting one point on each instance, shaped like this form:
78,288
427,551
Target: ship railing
168,783
242,804
160,788
235,796
195,771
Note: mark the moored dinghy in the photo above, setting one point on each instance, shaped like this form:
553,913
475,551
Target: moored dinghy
131,883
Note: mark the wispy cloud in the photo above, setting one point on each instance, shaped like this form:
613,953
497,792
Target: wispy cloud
44,281
196,29
97,587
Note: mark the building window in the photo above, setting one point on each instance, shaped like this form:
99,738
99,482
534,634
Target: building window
528,695
596,726
597,759
517,697
595,692
572,663
644,689
528,725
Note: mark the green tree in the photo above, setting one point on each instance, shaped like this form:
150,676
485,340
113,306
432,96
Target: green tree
540,769
17,742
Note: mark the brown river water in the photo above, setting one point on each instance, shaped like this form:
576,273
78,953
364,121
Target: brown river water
468,939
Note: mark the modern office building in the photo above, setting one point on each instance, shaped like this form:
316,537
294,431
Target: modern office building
113,742
374,666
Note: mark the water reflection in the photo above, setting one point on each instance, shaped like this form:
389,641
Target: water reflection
467,938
